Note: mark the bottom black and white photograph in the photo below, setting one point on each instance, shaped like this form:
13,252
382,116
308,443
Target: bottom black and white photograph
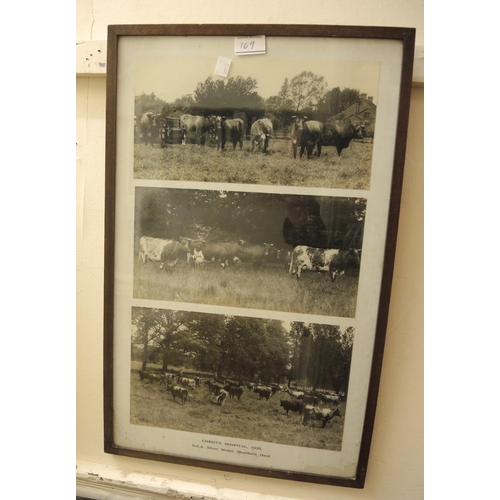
268,380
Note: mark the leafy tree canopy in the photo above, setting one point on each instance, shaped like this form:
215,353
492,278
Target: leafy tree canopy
245,348
145,103
305,90
223,97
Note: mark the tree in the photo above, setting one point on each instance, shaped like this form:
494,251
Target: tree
306,89
320,355
329,105
145,103
347,97
162,334
152,329
224,97
201,337
279,108
211,215
180,106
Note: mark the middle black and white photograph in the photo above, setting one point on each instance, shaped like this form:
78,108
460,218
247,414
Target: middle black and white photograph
279,252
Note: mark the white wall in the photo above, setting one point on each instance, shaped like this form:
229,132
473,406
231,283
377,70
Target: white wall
395,469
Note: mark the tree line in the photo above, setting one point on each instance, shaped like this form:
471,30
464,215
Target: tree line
232,215
248,349
306,94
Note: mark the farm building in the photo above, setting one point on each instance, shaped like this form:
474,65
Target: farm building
363,111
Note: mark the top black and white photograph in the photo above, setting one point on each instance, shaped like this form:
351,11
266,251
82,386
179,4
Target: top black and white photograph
272,121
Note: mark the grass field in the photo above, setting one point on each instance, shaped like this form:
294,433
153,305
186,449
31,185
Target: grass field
205,163
270,288
250,418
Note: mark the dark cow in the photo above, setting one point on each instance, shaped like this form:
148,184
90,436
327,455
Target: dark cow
275,388
260,133
154,377
195,127
214,387
156,128
263,392
322,414
217,251
234,391
217,126
232,131
166,252
256,254
340,135
146,124
316,259
292,406
178,392
306,135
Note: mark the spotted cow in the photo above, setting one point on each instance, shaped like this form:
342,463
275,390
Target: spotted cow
323,414
166,252
178,392
317,259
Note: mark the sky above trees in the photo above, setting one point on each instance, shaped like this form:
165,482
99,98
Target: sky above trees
171,78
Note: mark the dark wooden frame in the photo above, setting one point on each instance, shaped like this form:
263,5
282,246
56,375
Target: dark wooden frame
407,38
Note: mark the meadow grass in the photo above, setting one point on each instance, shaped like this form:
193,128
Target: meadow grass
250,418
191,162
268,288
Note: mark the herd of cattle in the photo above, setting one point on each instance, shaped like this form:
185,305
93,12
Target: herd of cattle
304,402
305,134
167,252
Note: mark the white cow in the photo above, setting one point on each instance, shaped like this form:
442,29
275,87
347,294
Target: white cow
260,133
317,259
162,251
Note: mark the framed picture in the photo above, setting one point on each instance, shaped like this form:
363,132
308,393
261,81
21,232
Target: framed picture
253,183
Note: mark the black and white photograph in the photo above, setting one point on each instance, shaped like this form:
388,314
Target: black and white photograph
252,203
241,377
289,253
272,121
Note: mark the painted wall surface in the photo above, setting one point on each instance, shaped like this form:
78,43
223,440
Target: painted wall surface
395,469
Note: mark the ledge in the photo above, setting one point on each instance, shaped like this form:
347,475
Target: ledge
104,482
